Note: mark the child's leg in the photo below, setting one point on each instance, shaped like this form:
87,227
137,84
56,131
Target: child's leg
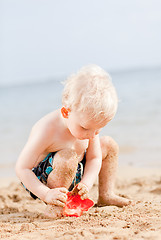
107,174
64,169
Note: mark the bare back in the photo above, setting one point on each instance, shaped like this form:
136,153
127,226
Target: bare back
50,134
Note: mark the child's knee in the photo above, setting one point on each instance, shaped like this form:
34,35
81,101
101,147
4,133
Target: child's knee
113,145
66,160
64,169
108,144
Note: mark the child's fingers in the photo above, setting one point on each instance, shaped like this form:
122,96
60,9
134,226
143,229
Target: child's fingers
63,190
84,196
82,186
82,191
58,203
62,198
79,186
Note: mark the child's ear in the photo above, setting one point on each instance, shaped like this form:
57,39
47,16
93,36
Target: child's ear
65,112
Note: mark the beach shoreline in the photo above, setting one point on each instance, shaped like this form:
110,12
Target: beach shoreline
21,217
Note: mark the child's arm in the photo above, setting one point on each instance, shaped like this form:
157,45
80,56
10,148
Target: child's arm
93,163
39,140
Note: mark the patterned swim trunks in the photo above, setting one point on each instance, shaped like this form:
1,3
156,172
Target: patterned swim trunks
44,168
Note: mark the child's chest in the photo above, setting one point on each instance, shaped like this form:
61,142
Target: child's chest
79,146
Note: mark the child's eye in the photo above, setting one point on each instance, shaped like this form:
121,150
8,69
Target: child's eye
84,128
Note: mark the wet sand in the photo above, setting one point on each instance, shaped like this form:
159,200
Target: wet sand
21,217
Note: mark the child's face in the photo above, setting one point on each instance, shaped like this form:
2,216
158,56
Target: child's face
82,127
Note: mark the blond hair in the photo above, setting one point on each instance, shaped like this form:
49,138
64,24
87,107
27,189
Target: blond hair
91,90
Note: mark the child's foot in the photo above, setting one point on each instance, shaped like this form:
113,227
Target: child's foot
113,200
53,211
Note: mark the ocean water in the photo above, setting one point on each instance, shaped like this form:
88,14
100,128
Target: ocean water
136,126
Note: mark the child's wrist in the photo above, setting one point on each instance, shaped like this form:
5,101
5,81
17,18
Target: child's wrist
44,198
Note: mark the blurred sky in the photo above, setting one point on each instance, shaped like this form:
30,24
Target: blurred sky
44,39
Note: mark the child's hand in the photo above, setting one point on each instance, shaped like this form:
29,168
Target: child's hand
82,190
56,196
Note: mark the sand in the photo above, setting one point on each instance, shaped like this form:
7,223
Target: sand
21,217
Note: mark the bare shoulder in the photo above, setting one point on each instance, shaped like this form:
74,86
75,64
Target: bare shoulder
43,131
47,123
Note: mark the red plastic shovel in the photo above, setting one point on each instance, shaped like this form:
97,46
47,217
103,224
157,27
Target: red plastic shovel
75,206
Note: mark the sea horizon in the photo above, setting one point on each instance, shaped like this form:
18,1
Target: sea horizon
136,126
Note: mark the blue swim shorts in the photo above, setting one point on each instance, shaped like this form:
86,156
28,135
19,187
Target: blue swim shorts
44,168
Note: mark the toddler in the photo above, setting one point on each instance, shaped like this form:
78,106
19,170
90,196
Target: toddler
64,151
